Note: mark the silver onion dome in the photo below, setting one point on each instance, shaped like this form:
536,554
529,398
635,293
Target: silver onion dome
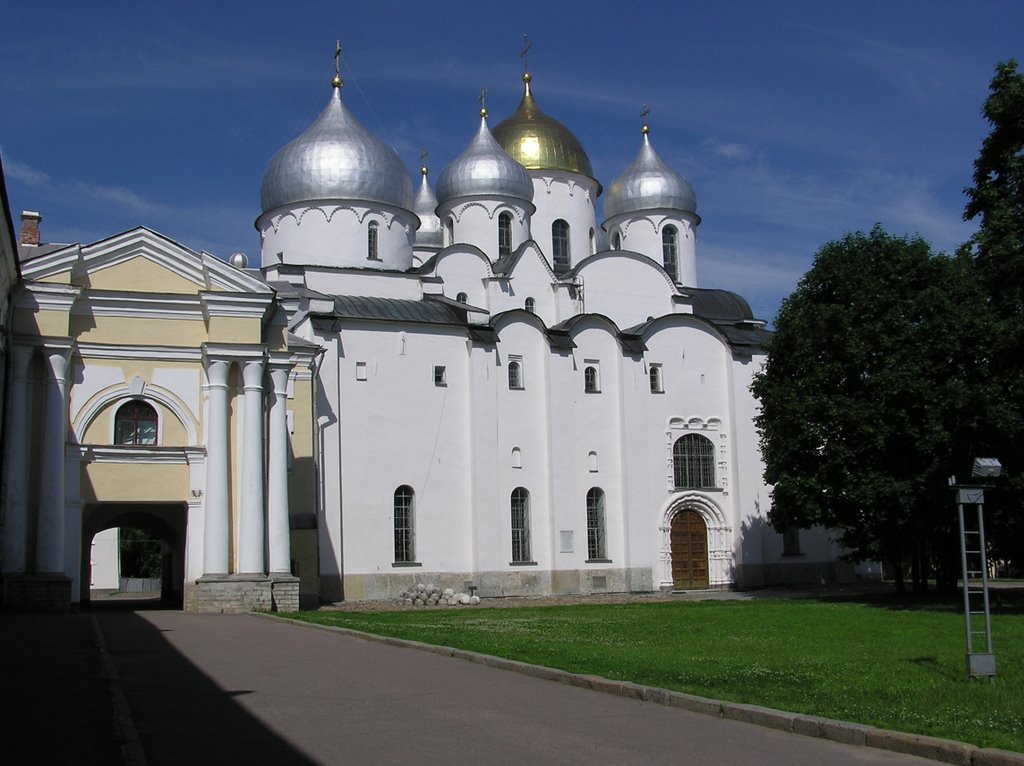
484,169
336,158
647,184
425,206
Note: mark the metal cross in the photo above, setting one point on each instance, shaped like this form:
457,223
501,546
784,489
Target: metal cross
423,155
525,53
337,57
645,113
483,98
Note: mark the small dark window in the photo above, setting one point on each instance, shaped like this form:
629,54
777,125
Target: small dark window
135,423
515,375
591,384
530,305
372,241
657,385
440,375
504,234
560,245
462,298
670,251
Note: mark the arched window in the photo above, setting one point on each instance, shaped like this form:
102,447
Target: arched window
530,305
596,548
405,539
515,374
693,462
462,298
654,373
504,234
670,250
520,512
371,241
560,245
449,231
591,384
135,423
616,241
517,457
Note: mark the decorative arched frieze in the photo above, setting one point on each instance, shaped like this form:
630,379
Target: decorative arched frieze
720,550
629,223
136,388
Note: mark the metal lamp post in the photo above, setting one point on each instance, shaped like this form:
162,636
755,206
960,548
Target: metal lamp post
974,563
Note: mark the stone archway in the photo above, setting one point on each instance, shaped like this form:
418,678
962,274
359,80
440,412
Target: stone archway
163,521
688,538
702,534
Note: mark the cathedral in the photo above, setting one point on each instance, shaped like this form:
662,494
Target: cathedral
474,384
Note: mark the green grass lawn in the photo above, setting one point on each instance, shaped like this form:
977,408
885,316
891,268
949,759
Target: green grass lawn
873,663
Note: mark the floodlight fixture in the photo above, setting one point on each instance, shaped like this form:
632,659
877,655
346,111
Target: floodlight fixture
986,467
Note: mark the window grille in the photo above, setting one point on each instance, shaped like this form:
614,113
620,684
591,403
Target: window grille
520,511
462,298
693,461
405,549
530,305
596,548
440,375
591,384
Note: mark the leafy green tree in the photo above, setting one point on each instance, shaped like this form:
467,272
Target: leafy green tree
872,395
996,201
140,554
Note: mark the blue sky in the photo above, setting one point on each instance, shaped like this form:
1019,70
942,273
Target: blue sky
795,122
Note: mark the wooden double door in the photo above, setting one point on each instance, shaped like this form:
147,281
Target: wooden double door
689,537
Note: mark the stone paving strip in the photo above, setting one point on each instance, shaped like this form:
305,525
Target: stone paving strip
933,748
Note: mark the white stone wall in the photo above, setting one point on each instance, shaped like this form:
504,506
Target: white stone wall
571,198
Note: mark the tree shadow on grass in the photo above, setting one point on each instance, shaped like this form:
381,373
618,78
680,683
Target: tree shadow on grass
1003,599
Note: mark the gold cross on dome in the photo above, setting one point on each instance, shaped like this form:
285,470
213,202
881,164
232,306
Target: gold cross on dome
525,52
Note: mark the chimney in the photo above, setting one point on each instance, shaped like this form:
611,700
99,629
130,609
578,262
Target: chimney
30,227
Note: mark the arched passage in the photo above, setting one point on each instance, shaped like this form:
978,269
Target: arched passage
165,522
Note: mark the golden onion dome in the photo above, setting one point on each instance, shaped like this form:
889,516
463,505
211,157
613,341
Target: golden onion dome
539,142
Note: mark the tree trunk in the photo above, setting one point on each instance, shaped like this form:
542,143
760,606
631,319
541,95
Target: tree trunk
897,573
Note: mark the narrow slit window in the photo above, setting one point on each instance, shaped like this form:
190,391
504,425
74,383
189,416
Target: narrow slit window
670,251
372,244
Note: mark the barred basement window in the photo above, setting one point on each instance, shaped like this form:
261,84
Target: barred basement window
596,548
405,548
135,423
520,513
693,462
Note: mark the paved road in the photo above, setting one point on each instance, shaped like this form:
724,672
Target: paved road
247,690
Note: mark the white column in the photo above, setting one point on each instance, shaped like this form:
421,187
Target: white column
278,533
16,470
251,525
50,527
217,527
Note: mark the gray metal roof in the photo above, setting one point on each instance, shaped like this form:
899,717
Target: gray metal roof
647,184
484,169
718,305
396,310
336,158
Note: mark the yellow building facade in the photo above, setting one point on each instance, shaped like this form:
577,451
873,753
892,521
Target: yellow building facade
155,387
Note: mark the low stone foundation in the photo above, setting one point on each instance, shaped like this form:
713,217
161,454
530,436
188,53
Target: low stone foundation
525,581
228,594
284,593
37,593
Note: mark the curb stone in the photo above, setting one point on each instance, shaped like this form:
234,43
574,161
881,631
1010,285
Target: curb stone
843,732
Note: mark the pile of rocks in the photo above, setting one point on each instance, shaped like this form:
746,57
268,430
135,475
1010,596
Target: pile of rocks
430,595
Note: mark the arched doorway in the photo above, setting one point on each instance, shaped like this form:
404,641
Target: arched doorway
689,546
165,522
